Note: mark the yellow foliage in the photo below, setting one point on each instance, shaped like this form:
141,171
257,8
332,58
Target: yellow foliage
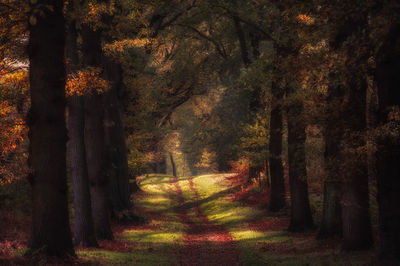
121,46
86,81
15,81
207,160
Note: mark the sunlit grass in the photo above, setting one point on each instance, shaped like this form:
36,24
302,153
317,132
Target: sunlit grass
138,257
262,248
158,246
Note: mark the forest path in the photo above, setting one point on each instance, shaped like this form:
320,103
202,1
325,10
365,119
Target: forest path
205,243
210,220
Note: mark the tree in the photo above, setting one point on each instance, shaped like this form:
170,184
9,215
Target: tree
278,197
352,33
84,234
388,145
48,134
94,137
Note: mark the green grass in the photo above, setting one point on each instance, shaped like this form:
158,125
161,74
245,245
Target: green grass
148,247
262,248
161,246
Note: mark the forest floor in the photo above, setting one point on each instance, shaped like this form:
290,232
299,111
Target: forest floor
213,220
207,220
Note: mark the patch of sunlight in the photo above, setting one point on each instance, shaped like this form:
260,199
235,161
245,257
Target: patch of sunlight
152,236
137,257
208,185
261,237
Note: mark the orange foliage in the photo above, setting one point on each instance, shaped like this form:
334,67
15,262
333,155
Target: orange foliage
121,46
305,19
86,81
13,105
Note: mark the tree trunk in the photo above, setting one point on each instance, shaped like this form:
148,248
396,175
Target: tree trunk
115,139
83,221
173,165
278,199
301,218
97,165
50,232
331,223
254,172
357,232
388,147
94,139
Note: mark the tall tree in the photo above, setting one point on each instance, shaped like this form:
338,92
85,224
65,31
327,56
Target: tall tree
94,138
115,137
352,33
388,145
48,134
83,221
278,197
300,218
331,223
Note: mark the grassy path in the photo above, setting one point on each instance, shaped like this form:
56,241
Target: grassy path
195,221
205,243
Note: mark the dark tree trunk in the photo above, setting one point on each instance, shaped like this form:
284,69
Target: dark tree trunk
172,164
301,218
97,165
278,199
357,232
331,223
115,138
254,172
388,147
50,232
83,222
242,41
94,139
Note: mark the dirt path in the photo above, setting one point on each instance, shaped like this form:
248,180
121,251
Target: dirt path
205,243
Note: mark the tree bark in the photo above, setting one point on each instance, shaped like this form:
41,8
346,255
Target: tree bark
50,233
301,218
388,147
357,233
278,198
83,221
84,234
97,165
115,139
331,223
173,165
94,139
